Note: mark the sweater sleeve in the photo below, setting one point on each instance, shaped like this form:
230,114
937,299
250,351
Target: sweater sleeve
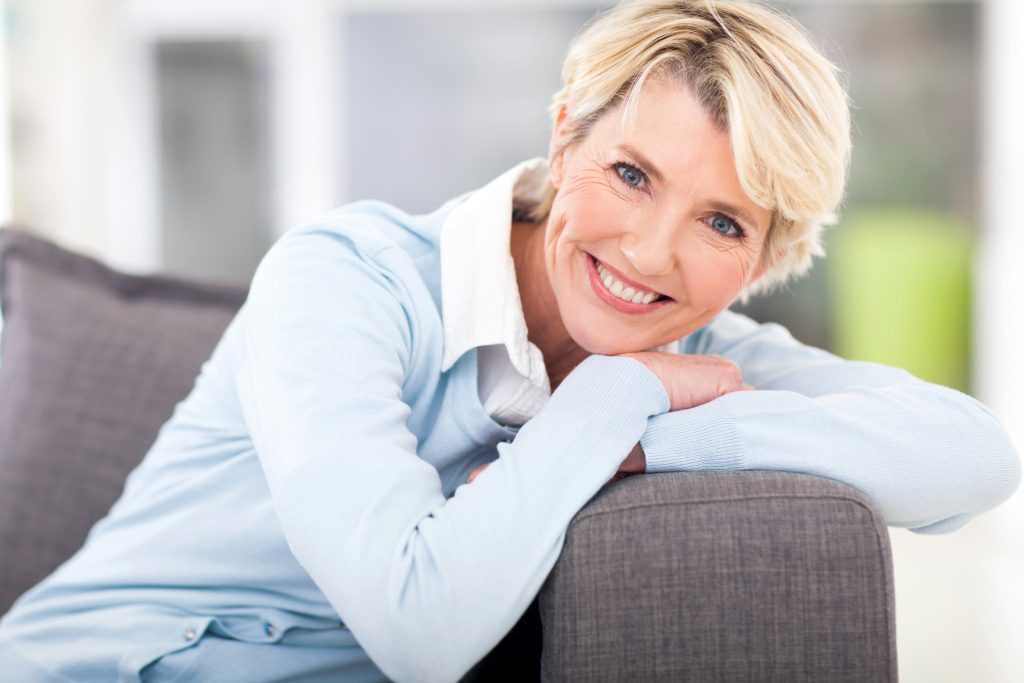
929,457
426,585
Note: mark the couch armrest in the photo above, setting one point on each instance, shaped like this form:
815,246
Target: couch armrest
707,576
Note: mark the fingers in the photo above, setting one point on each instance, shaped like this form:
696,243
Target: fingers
693,379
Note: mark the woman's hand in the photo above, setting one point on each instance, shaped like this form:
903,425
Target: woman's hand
635,463
691,380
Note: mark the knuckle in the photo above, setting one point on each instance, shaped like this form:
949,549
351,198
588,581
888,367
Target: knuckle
734,374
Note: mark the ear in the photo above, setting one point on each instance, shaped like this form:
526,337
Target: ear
556,150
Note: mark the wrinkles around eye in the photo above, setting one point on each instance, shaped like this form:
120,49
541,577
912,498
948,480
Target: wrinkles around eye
590,178
725,244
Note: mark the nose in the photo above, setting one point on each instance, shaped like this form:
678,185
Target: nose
649,249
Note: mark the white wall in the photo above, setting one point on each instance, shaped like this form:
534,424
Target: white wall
59,74
5,133
999,326
960,597
999,300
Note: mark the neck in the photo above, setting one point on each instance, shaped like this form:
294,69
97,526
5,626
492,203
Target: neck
540,308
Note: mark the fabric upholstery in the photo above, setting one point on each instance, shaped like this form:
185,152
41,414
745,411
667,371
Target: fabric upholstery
752,576
92,363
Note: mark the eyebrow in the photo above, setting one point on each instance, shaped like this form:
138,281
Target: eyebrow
651,169
716,204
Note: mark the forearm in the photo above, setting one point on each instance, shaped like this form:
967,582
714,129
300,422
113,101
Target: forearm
928,456
429,585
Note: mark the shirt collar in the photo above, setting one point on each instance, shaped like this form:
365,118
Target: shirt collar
479,293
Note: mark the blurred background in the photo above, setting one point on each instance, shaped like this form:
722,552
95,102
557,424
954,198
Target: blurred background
186,137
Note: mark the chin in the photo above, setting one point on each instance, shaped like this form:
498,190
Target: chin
606,349
601,343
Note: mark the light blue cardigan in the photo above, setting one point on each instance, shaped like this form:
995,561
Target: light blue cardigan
316,470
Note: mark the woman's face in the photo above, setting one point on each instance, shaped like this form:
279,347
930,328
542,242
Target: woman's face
653,212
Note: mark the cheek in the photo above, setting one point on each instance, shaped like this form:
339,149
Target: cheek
714,275
590,214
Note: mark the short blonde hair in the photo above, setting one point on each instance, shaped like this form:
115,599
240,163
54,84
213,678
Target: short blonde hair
759,77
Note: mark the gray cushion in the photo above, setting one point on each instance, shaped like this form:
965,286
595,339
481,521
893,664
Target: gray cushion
704,576
92,363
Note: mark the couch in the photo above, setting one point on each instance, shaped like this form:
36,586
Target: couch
703,576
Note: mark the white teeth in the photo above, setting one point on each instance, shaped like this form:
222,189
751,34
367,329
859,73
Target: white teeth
625,293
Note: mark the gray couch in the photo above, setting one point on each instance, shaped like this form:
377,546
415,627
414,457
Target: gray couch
748,576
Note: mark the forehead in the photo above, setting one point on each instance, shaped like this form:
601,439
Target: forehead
668,122
660,97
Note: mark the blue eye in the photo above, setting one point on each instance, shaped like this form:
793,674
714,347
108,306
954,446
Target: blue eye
630,175
725,225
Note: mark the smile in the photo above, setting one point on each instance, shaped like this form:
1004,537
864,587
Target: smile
619,292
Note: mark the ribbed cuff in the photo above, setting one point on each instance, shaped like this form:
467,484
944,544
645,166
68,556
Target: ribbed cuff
705,437
610,393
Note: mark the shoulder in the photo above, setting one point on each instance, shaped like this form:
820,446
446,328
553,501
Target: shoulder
756,346
364,229
364,241
362,269
729,328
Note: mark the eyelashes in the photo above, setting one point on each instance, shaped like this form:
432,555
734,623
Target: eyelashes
718,220
723,225
630,175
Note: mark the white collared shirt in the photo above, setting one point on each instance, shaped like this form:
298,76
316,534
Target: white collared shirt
480,296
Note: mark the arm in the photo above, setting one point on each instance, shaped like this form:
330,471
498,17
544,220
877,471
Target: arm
930,457
427,585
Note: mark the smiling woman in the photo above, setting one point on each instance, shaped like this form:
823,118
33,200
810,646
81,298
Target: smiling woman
304,515
645,207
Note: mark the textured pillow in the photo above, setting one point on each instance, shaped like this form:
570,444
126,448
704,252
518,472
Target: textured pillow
92,363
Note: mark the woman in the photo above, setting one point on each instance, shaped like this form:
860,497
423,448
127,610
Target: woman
304,514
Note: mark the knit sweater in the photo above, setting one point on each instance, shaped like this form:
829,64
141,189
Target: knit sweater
310,491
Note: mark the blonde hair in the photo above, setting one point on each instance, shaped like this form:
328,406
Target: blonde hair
758,75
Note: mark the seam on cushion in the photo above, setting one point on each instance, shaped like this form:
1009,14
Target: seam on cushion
890,606
637,506
880,546
71,265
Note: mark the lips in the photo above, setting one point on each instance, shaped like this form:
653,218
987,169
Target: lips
623,291
614,301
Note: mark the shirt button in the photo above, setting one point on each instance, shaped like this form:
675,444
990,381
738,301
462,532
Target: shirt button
190,634
269,629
